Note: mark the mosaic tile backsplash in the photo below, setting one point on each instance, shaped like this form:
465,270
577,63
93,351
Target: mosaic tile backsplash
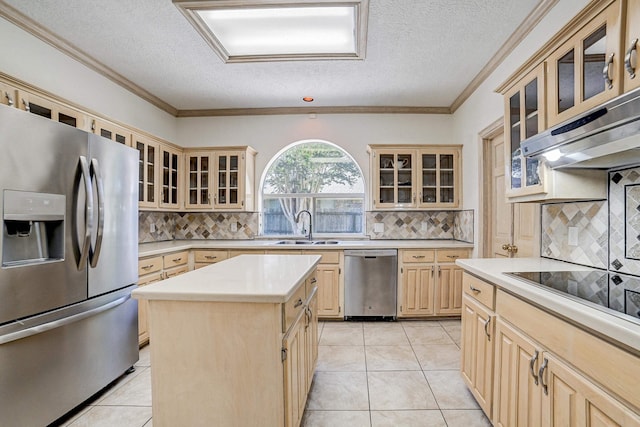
452,225
624,221
589,220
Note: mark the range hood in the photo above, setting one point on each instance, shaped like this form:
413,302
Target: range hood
604,137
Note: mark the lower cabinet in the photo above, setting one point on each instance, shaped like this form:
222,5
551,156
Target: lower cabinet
330,283
527,367
430,282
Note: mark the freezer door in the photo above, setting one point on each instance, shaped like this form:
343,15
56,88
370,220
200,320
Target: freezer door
113,257
40,158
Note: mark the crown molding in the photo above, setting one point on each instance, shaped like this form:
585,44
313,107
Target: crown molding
34,28
312,110
37,30
505,50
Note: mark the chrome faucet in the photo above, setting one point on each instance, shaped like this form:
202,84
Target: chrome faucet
298,220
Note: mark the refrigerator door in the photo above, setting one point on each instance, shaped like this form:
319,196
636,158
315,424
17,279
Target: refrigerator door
40,167
113,257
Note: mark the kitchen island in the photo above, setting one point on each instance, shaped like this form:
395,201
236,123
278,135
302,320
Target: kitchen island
234,343
536,355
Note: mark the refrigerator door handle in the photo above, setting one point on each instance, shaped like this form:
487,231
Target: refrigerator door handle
94,253
4,339
85,245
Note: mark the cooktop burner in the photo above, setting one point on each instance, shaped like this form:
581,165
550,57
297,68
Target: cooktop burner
614,293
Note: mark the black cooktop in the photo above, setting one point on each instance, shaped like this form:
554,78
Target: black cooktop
613,293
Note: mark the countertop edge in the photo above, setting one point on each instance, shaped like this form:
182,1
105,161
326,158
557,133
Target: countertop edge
611,328
159,248
158,292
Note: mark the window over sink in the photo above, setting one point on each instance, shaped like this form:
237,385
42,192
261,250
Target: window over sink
317,176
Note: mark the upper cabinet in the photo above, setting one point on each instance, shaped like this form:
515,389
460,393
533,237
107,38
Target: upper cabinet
171,177
220,179
111,131
52,110
631,44
586,70
147,171
578,69
415,177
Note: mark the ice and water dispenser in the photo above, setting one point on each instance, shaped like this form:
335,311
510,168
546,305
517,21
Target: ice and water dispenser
33,228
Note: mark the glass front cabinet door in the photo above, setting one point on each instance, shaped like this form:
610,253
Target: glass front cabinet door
587,69
198,188
394,178
228,180
147,171
170,161
524,118
438,174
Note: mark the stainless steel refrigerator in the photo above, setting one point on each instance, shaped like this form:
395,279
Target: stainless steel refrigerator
69,248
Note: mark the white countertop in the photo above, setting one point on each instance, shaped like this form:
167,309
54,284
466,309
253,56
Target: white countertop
157,248
606,325
245,278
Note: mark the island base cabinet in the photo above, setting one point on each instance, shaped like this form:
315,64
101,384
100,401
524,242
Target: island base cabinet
216,364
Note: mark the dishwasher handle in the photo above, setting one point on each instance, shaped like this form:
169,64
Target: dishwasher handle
371,253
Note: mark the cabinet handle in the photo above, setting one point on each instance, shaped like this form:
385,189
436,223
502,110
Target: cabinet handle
545,387
453,256
26,105
474,289
9,100
439,271
627,60
531,369
418,256
298,303
146,267
177,259
486,328
314,280
432,269
210,257
605,72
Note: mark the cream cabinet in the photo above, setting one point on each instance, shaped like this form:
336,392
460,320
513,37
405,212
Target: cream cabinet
221,179
170,176
204,257
111,131
330,282
8,94
430,282
631,44
147,171
415,177
586,70
478,332
52,109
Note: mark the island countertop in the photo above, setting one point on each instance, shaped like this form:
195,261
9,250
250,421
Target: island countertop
621,331
245,278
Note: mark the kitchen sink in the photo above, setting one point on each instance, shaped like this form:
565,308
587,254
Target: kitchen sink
306,242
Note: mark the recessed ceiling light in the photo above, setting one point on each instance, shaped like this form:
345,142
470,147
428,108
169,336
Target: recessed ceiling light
267,30
307,99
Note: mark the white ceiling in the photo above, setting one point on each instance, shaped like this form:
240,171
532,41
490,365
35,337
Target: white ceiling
420,53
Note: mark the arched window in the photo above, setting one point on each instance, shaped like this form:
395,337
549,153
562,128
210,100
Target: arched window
316,176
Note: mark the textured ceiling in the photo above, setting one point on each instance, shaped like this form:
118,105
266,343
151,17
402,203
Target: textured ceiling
420,53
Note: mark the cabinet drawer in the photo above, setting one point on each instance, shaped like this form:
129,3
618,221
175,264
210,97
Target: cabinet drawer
149,278
479,290
172,260
149,265
327,257
175,271
418,256
451,255
210,256
294,306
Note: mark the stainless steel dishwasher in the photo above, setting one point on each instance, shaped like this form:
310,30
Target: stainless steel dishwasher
370,282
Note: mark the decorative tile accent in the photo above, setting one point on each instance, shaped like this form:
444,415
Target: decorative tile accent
216,225
407,225
624,221
591,220
163,223
632,232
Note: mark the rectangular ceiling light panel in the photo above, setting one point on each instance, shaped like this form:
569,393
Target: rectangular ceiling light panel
266,31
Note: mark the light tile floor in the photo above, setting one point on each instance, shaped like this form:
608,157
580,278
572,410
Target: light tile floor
372,374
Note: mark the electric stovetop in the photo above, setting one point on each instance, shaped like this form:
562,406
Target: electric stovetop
616,294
